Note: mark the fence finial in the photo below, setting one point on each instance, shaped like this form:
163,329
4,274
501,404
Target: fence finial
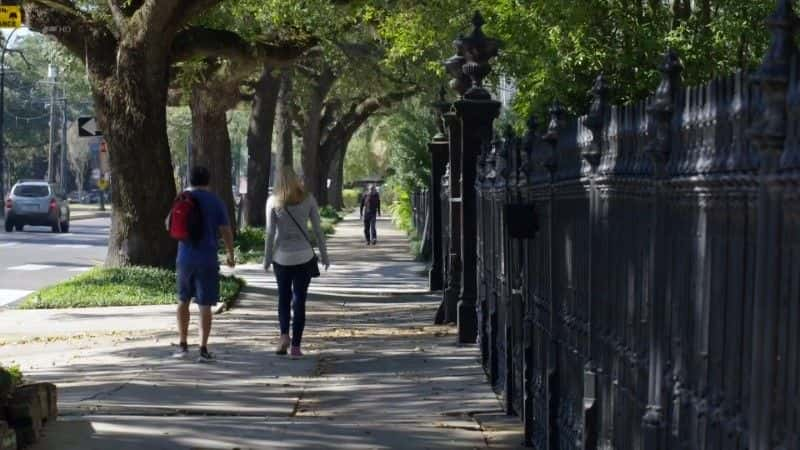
503,155
769,130
478,49
440,107
454,65
662,108
551,137
594,120
524,168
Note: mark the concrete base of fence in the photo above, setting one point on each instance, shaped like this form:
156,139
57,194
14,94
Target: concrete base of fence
467,322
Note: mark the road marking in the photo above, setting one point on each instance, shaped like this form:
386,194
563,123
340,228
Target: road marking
72,246
31,267
9,244
79,269
11,295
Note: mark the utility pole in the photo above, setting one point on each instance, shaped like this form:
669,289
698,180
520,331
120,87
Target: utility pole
6,43
64,165
52,74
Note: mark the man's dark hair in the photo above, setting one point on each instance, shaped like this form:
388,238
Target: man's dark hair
200,176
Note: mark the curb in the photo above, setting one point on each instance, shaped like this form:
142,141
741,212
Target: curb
96,215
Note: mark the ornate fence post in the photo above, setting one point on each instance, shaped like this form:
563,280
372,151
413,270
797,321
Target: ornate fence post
768,133
476,112
528,336
438,148
552,135
666,103
595,122
459,83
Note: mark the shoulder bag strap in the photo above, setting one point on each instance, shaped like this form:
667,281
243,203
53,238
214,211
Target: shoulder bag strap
301,230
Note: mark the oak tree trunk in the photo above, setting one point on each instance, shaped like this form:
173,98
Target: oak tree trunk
336,174
259,147
283,121
130,104
211,144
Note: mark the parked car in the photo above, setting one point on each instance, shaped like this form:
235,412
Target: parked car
91,197
74,197
36,203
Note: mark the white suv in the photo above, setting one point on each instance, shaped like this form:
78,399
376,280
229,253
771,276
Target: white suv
36,203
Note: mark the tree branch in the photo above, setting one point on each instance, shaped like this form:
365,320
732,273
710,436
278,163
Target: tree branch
357,114
200,42
119,16
74,29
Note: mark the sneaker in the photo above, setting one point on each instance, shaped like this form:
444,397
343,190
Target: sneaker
296,353
205,355
182,352
283,345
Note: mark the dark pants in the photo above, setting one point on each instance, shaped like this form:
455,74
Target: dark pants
370,233
293,284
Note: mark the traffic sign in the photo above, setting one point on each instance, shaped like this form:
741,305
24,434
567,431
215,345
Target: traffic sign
87,127
10,16
105,164
96,174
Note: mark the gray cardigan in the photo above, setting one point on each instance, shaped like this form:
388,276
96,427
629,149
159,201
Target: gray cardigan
285,244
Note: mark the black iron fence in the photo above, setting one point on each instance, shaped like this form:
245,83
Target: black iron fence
657,305
420,207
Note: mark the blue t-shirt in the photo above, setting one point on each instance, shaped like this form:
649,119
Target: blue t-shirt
215,215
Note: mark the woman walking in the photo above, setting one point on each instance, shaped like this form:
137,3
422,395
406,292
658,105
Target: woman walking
288,249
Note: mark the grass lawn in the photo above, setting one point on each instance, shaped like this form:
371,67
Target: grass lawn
130,286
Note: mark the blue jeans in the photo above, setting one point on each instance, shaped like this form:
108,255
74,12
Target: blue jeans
370,233
293,284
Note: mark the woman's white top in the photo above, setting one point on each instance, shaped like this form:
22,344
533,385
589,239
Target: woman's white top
285,243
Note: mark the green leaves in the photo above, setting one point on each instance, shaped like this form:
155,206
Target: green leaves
129,286
555,48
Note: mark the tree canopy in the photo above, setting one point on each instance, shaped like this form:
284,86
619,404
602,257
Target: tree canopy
554,49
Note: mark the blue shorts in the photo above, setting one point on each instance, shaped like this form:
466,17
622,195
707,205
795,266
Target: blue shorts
198,282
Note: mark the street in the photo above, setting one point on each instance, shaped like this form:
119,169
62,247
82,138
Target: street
36,257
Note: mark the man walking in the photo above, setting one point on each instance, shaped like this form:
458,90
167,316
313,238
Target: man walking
198,264
370,210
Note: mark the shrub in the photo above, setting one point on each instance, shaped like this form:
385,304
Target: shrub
249,238
13,374
350,197
328,212
402,212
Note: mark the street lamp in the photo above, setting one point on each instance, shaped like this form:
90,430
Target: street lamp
2,112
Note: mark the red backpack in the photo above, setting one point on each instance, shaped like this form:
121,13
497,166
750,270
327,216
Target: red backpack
186,218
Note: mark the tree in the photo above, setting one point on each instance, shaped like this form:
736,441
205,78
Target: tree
26,121
259,146
284,120
555,49
128,48
216,89
342,88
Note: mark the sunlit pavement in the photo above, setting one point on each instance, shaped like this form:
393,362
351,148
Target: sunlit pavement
376,373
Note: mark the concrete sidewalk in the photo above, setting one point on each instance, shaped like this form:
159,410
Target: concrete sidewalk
376,375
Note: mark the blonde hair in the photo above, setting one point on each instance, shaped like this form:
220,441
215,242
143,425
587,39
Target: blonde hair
288,187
